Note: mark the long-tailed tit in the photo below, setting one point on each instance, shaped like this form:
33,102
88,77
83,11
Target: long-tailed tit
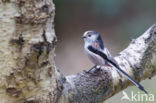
100,55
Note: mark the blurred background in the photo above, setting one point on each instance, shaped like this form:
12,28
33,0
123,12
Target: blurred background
117,20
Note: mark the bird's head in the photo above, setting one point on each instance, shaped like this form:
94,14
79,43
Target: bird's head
91,36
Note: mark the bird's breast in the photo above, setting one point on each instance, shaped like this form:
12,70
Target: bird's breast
95,58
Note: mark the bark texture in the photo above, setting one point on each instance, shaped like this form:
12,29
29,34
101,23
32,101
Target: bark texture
27,41
138,60
27,69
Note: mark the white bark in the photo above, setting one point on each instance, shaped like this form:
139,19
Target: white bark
27,68
27,41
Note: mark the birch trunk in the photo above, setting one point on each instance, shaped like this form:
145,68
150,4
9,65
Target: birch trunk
27,68
27,41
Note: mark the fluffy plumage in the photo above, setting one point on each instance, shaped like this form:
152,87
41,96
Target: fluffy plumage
100,55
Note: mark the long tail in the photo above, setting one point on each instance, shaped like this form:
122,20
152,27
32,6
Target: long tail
111,60
129,77
132,80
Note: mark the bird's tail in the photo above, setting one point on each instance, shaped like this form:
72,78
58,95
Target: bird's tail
111,60
129,77
132,80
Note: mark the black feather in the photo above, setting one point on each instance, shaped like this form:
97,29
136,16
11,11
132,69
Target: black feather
104,56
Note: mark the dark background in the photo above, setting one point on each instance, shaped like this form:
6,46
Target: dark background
117,20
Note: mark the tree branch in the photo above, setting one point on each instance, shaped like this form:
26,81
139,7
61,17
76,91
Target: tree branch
138,60
27,68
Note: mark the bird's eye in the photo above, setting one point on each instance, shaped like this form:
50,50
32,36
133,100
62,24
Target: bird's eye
89,35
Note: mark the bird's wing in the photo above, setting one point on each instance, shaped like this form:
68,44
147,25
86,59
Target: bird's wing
111,61
109,56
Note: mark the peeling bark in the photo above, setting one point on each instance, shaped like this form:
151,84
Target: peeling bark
27,68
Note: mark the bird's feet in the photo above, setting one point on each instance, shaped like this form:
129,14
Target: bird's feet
94,69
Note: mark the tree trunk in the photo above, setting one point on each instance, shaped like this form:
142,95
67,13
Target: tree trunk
27,41
27,68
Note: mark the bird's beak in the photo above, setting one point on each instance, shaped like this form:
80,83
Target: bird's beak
83,37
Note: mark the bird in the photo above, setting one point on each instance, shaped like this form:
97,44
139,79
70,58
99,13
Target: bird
100,56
